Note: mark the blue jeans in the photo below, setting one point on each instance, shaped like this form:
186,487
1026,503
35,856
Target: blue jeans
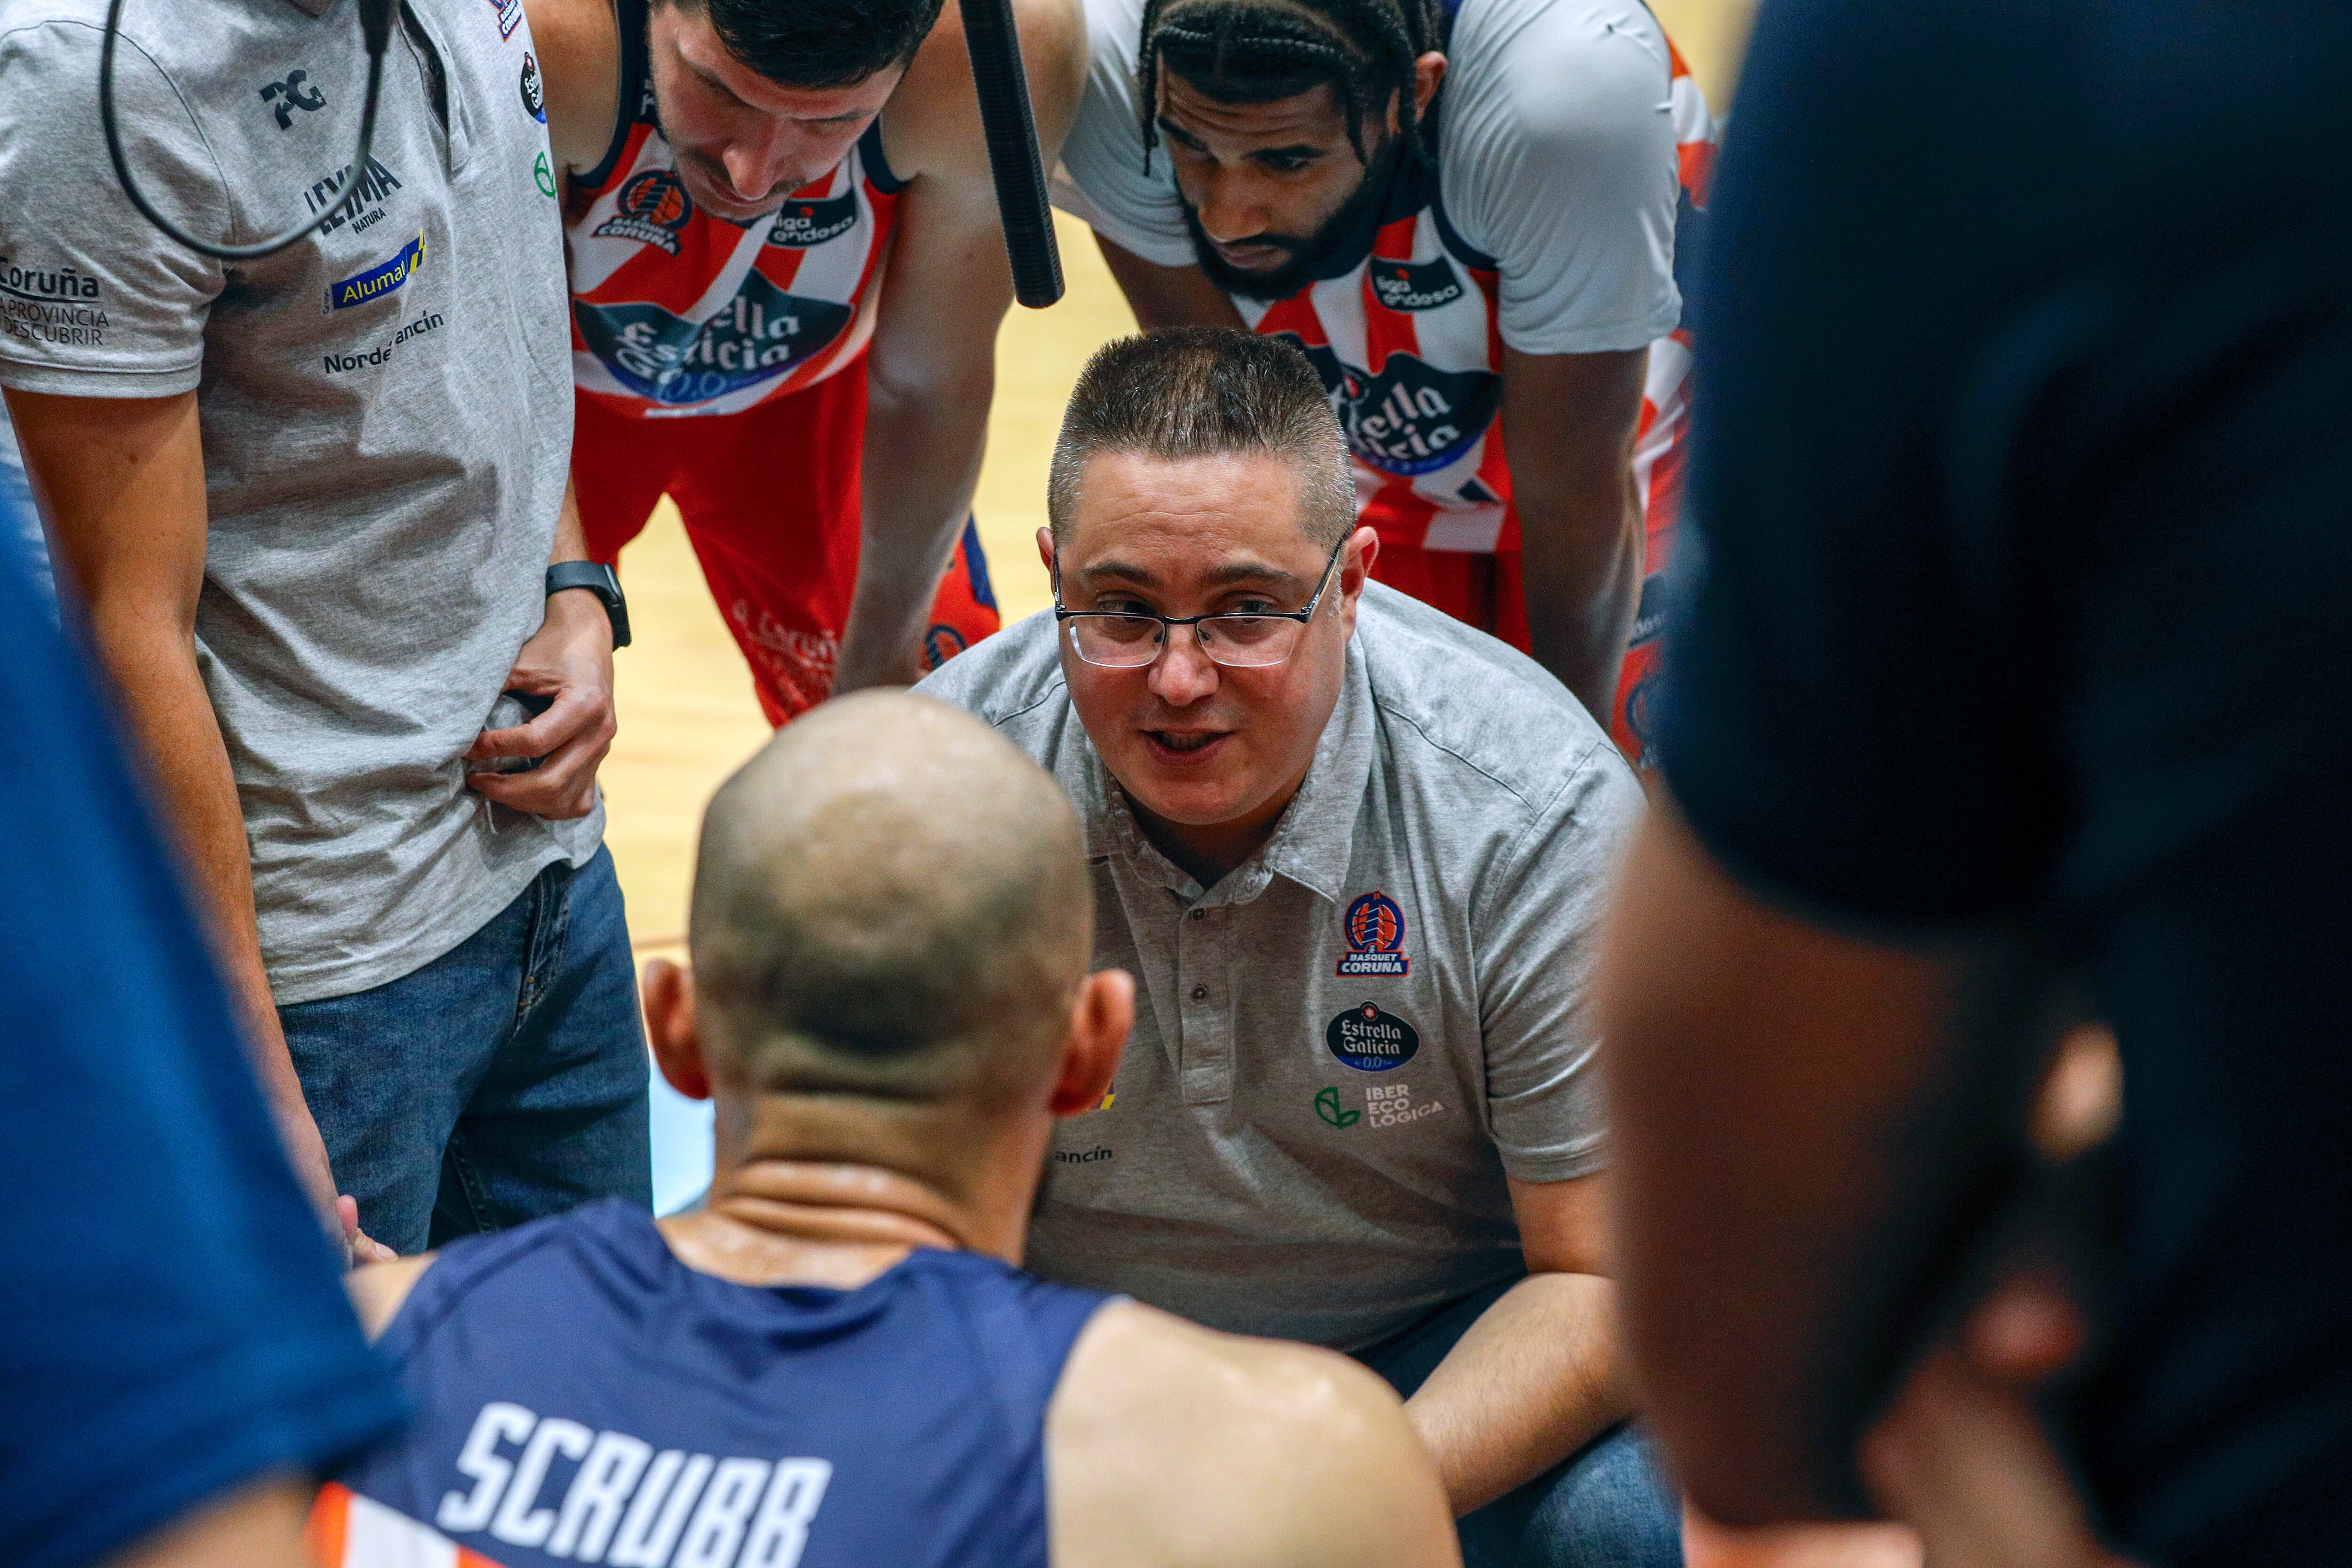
504,1081
1604,1506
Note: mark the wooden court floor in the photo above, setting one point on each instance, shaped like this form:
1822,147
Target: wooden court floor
686,713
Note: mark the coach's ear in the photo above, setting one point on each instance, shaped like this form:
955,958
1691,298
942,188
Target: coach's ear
668,996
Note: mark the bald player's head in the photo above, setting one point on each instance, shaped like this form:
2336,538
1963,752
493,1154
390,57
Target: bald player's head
892,901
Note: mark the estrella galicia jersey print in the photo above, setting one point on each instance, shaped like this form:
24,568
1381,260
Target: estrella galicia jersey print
675,311
1411,351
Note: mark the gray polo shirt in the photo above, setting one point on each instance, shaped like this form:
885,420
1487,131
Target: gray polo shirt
386,411
1343,1047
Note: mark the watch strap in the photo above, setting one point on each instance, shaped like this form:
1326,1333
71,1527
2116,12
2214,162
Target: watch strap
601,580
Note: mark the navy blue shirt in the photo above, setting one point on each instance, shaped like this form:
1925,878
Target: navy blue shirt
173,1322
583,1397
2023,507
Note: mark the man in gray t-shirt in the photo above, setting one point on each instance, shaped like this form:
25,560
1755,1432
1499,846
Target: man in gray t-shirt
1354,854
311,502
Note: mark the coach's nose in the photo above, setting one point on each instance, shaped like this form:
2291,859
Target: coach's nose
1183,674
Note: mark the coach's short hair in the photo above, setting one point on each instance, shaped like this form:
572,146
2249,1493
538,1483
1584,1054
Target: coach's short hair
818,44
1206,392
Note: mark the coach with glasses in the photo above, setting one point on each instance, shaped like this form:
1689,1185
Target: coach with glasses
1354,853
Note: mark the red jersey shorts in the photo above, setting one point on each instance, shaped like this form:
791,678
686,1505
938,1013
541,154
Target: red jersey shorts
771,499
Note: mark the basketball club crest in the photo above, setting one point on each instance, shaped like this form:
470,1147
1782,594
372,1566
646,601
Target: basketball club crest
1375,931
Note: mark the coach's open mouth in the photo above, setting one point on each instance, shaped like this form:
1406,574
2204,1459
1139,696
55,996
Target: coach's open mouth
1182,748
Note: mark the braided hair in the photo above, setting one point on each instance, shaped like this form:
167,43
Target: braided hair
1256,51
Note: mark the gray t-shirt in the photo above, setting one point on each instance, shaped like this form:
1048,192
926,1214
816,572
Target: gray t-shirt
1344,1047
386,412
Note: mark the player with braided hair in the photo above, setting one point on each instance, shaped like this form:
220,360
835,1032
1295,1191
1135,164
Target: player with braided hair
1465,212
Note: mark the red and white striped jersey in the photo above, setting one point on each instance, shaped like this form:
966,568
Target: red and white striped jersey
1410,345
675,312
1551,224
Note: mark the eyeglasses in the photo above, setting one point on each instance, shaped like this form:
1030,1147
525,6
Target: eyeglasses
1125,640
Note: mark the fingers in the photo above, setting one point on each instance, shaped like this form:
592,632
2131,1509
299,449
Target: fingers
574,710
564,783
367,1249
2027,1331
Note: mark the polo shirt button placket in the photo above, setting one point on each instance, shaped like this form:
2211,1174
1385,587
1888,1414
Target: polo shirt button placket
1206,1057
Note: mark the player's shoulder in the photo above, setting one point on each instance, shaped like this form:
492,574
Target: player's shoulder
1452,698
1310,1455
1554,74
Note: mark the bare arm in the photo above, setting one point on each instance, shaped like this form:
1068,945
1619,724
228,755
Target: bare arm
1539,1376
1168,1444
1776,1209
258,1526
1569,422
121,482
1167,296
931,371
578,45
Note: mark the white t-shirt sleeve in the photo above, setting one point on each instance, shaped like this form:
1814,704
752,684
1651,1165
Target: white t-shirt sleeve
1109,186
1557,146
94,302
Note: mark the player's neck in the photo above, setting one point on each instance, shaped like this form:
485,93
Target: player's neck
814,1192
793,1222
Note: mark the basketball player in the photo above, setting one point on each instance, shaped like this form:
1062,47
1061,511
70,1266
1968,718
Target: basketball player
787,274
1467,217
838,1361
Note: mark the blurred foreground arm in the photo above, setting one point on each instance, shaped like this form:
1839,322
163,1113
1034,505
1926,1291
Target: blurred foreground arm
259,1527
1779,1211
123,483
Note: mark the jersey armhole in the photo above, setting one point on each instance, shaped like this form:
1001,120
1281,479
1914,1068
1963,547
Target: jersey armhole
629,22
1448,235
875,163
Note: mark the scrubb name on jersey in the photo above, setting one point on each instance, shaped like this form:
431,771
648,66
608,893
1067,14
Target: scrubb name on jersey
625,1503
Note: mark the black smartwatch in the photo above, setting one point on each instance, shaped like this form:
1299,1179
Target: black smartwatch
600,580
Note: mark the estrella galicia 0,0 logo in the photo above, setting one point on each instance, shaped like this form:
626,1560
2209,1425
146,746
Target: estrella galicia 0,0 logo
1374,927
1366,1038
383,278
534,91
651,208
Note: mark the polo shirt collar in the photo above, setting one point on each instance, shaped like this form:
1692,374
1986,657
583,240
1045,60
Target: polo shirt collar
1311,844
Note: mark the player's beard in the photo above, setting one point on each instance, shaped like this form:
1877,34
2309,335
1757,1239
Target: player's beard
1345,238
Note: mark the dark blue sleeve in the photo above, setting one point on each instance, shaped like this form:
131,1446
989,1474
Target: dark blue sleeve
1883,217
172,1323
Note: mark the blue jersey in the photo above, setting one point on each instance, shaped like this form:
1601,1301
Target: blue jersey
585,1397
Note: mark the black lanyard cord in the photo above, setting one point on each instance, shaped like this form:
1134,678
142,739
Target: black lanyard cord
375,27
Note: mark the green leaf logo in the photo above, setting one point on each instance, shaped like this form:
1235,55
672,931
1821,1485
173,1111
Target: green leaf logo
1327,1106
545,176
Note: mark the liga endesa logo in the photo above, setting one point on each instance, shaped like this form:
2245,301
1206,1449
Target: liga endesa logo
1374,928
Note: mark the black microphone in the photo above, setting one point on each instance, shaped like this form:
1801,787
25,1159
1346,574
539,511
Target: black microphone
994,43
